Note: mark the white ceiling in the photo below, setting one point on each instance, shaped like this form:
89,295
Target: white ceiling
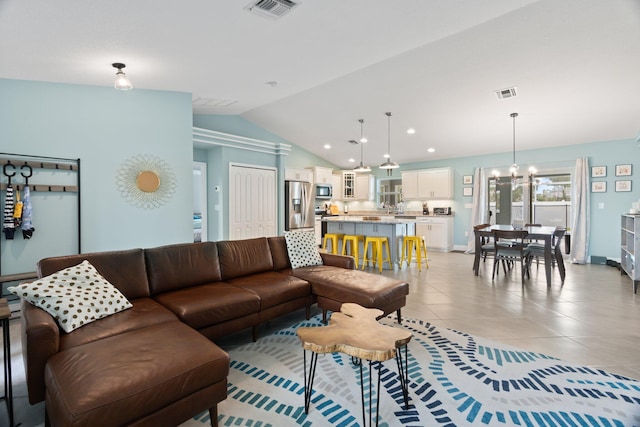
434,64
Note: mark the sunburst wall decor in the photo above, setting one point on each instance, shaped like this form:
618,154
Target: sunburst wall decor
146,181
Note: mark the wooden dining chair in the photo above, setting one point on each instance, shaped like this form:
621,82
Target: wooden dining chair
536,249
511,253
487,245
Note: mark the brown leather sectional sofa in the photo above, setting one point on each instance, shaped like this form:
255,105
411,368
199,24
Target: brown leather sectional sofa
155,363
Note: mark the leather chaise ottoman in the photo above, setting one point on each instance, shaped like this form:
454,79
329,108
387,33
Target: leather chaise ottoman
158,375
333,286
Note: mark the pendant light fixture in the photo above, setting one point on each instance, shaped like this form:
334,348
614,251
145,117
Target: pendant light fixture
389,165
361,167
122,82
513,170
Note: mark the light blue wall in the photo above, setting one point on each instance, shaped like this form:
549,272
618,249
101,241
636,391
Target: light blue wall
105,127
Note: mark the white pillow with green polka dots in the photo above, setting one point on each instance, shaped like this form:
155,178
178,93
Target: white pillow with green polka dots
302,248
74,296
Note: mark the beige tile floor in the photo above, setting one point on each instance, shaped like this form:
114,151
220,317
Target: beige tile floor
592,319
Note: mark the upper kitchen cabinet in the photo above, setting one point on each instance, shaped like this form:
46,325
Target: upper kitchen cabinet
410,185
428,184
336,184
321,175
348,185
293,174
365,187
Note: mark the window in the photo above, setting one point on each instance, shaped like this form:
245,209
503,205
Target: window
546,199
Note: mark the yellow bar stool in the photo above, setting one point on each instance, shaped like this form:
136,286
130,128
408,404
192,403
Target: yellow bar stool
354,241
334,238
410,243
378,244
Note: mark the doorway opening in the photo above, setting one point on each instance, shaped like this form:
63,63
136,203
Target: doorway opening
199,202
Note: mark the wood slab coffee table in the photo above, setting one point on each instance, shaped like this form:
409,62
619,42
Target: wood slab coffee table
355,331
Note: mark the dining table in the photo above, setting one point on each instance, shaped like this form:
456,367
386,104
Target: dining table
539,233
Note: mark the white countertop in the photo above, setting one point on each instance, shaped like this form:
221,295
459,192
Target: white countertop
367,219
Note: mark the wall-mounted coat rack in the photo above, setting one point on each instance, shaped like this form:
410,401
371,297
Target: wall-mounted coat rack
16,171
24,169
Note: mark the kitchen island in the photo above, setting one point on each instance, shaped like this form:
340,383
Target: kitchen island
394,228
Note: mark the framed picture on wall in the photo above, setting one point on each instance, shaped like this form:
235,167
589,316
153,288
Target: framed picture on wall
467,179
623,170
623,185
599,187
467,191
598,171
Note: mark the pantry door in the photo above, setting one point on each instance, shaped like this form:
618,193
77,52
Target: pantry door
252,202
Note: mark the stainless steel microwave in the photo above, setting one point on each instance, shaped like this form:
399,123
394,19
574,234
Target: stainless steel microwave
323,191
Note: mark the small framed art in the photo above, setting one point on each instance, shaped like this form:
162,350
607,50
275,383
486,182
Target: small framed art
623,185
599,187
467,191
623,170
598,171
467,179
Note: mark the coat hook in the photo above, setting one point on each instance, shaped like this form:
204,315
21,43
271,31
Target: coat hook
7,174
26,177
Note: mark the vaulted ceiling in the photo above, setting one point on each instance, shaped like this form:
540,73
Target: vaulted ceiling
311,74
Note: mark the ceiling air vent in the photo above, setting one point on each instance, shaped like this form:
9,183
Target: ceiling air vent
271,8
509,92
353,141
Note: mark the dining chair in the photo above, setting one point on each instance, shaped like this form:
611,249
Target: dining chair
511,253
487,245
536,249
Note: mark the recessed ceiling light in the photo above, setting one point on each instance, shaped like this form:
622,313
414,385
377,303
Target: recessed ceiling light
386,156
411,131
327,146
351,160
431,150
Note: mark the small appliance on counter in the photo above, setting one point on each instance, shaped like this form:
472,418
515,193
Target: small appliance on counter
442,211
425,209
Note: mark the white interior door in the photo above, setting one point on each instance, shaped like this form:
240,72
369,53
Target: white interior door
252,202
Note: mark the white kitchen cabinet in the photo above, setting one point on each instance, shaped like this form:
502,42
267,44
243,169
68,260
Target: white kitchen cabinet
348,185
410,185
336,184
437,232
436,183
294,174
428,184
321,175
365,187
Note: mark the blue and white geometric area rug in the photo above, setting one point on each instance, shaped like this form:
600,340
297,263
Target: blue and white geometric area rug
455,379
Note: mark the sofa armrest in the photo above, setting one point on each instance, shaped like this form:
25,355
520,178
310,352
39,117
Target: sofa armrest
343,261
40,341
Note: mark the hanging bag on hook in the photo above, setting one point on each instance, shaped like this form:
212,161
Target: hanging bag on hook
8,226
17,210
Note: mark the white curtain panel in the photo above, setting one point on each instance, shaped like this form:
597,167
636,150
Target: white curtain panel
479,208
581,217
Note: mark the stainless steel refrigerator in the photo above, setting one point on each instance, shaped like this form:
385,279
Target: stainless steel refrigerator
298,206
